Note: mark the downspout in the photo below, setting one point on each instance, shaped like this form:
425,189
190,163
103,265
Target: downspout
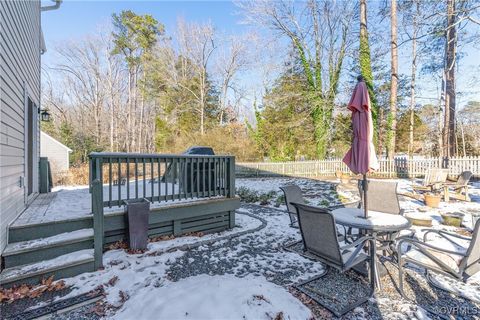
54,7
43,47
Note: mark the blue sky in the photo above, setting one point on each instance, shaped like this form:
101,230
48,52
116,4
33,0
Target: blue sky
77,18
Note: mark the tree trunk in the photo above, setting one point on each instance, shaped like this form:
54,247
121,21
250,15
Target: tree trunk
450,97
112,105
141,126
394,81
463,139
127,141
381,133
202,104
365,62
412,83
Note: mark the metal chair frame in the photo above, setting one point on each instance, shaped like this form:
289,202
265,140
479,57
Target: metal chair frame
466,268
354,259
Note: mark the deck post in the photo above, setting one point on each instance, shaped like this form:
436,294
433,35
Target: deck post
177,227
97,210
231,220
231,189
231,177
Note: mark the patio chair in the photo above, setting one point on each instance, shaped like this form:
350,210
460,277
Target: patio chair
455,260
382,197
320,240
433,181
292,193
459,189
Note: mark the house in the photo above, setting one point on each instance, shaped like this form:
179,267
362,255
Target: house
57,153
20,50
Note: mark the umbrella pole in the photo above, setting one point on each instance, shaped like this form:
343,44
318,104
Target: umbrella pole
365,187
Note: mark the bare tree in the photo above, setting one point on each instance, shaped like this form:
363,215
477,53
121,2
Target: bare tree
319,33
392,120
231,60
84,72
196,45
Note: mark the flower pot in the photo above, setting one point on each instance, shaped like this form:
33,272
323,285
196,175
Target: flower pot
432,200
452,219
422,220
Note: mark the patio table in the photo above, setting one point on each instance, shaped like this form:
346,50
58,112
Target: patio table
375,223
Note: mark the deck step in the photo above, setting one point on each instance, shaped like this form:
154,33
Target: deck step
18,233
31,251
63,266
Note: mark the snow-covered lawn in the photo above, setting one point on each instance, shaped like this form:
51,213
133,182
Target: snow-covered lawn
141,286
244,273
315,192
215,297
324,193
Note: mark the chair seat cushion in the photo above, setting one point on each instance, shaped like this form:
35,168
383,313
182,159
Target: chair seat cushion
450,260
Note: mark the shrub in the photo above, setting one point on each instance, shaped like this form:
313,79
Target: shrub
252,196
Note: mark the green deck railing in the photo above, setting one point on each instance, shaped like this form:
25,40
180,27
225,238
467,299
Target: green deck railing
118,177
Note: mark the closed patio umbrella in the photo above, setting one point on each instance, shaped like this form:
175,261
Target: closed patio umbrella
361,157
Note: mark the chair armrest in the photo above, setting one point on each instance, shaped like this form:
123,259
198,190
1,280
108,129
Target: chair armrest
422,245
444,234
357,242
358,245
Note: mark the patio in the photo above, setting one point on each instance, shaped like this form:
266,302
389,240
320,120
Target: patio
252,256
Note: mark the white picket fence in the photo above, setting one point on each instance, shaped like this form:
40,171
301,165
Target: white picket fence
400,167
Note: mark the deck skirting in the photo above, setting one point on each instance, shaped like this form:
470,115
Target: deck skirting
209,215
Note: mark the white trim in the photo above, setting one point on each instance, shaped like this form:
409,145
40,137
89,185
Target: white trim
25,144
55,140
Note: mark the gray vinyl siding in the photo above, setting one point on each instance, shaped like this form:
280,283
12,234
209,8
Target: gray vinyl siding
19,73
57,153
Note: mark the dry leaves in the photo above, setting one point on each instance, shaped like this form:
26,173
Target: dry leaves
260,297
118,245
112,281
161,238
27,291
123,296
124,245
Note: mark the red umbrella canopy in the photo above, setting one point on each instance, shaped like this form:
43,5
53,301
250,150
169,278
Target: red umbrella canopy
361,157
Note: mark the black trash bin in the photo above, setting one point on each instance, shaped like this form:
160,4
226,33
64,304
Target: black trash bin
137,216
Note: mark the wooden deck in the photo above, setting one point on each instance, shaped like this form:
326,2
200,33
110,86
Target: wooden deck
36,249
65,232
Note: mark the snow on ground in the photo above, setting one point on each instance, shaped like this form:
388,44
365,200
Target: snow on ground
323,193
240,276
315,192
260,253
242,280
411,205
469,290
137,271
215,297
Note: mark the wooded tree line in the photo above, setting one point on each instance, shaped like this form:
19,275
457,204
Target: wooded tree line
137,87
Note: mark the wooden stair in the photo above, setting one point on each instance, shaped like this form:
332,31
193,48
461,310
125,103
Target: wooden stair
34,252
63,266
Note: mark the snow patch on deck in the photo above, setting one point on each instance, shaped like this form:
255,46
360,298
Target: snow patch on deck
43,242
